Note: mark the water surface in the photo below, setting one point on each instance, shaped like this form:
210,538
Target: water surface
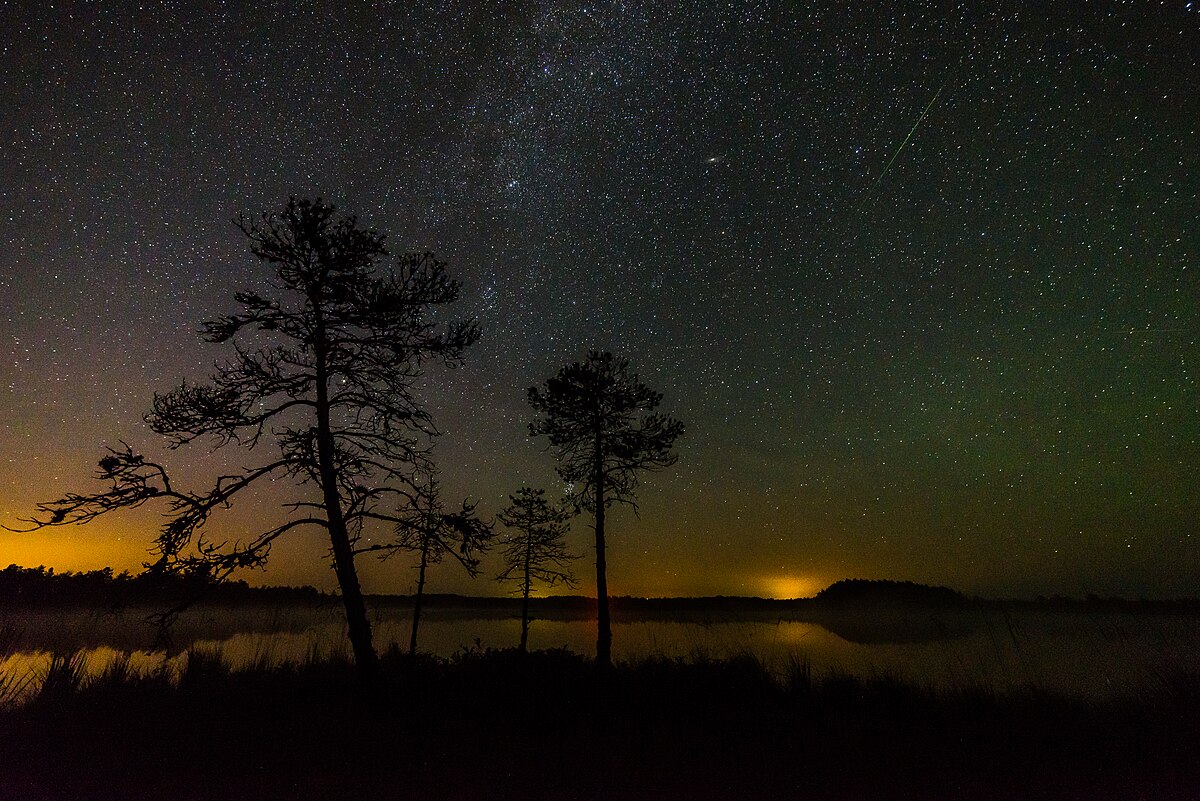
1088,654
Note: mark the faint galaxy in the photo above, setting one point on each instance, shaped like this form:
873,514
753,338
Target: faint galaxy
964,356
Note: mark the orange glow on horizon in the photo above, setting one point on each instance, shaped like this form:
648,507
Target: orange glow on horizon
72,553
790,586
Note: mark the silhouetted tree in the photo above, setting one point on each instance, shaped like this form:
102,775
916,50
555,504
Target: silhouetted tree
537,552
601,422
426,528
325,368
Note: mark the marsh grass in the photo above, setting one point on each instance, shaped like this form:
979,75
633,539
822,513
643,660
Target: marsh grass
498,724
63,678
718,718
13,687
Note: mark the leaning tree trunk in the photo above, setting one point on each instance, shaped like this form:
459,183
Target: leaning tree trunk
357,624
412,640
603,625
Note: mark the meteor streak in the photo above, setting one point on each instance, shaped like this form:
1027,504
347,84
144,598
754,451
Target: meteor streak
911,131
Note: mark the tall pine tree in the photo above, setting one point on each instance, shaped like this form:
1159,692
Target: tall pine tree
602,424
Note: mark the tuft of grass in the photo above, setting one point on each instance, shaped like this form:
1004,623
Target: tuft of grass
203,666
63,678
14,689
798,677
263,661
117,672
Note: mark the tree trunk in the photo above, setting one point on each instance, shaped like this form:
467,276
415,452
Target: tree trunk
357,624
412,640
603,626
525,602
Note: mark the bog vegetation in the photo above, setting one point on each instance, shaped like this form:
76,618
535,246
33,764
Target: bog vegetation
550,724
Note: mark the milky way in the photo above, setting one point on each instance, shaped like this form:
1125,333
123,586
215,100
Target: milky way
968,360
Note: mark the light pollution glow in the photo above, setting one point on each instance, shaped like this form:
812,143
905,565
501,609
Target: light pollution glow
971,361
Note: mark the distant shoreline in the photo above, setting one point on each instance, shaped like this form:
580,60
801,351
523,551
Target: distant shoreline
22,587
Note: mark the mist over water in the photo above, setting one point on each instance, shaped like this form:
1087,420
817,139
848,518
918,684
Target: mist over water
1085,654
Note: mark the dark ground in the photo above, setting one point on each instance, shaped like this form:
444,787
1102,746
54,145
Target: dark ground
495,726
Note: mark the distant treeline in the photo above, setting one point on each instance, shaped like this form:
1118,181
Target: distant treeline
866,592
860,591
42,586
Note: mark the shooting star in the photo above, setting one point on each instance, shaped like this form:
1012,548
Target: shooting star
896,155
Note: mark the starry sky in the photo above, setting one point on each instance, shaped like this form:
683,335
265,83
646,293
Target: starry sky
921,278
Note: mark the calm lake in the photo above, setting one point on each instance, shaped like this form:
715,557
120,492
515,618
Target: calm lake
1083,653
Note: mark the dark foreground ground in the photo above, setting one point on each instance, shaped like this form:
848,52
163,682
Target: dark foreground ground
496,726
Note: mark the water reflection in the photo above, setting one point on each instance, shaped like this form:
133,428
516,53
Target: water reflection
1083,654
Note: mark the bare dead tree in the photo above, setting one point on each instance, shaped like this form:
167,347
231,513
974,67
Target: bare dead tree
427,528
601,423
536,553
325,370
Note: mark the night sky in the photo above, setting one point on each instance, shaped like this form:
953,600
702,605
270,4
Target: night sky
921,281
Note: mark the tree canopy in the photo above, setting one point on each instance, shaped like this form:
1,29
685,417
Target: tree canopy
601,423
324,368
428,528
537,551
